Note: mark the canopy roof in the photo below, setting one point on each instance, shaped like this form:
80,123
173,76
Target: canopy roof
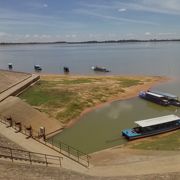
165,94
154,94
158,120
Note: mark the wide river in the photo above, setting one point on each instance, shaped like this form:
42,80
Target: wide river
102,128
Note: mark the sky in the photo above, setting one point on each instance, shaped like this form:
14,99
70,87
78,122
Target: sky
86,20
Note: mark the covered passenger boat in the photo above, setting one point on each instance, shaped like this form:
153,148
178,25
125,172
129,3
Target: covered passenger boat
173,99
154,126
154,97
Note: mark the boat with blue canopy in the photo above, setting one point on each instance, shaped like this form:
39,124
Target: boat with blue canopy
151,127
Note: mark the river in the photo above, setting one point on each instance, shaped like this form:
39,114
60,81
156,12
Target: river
101,128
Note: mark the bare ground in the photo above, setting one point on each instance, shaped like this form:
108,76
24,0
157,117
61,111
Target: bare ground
115,163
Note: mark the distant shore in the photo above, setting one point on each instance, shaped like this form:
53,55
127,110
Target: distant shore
90,42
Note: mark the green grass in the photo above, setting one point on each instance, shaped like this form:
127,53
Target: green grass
73,109
64,99
129,82
37,95
169,142
75,81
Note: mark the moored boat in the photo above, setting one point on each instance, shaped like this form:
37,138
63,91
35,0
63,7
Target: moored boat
37,67
10,66
154,97
173,99
100,69
151,127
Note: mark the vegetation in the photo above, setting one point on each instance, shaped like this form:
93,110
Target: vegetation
168,142
130,82
65,97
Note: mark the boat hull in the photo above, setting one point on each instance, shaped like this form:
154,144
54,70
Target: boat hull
131,136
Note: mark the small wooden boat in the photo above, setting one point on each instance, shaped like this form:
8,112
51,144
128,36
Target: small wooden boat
10,66
37,67
154,97
100,69
151,127
66,69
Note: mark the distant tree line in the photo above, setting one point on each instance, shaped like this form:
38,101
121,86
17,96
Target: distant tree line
89,42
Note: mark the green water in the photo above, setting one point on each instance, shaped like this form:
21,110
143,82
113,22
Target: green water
101,128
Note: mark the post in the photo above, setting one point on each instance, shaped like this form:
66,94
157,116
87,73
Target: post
29,129
68,151
60,161
52,142
88,160
9,119
11,154
46,160
19,127
30,158
59,146
78,155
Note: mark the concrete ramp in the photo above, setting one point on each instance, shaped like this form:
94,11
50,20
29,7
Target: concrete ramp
12,83
11,78
22,112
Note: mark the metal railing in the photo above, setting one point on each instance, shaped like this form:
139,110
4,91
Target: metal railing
31,157
62,148
70,152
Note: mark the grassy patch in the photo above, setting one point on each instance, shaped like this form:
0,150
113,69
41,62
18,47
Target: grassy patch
38,95
169,142
65,97
129,82
76,81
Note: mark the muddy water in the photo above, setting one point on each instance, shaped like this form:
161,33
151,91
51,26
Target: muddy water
102,128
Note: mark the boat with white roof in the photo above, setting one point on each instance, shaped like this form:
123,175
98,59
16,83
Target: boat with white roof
151,127
154,97
173,99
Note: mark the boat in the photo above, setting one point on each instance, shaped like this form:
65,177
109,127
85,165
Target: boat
154,97
66,69
173,99
37,67
10,66
151,127
100,69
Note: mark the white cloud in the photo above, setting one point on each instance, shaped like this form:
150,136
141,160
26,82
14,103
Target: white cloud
109,17
156,6
45,5
3,34
148,33
27,36
166,33
122,10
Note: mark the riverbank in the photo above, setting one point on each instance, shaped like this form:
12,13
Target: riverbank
68,97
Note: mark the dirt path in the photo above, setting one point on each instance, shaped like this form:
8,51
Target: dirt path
127,162
115,162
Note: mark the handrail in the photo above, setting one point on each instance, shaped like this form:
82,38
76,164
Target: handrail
62,148
70,152
19,154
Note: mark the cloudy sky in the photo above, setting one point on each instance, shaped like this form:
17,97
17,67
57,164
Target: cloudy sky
81,20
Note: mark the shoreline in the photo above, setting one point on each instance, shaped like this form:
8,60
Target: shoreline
129,94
